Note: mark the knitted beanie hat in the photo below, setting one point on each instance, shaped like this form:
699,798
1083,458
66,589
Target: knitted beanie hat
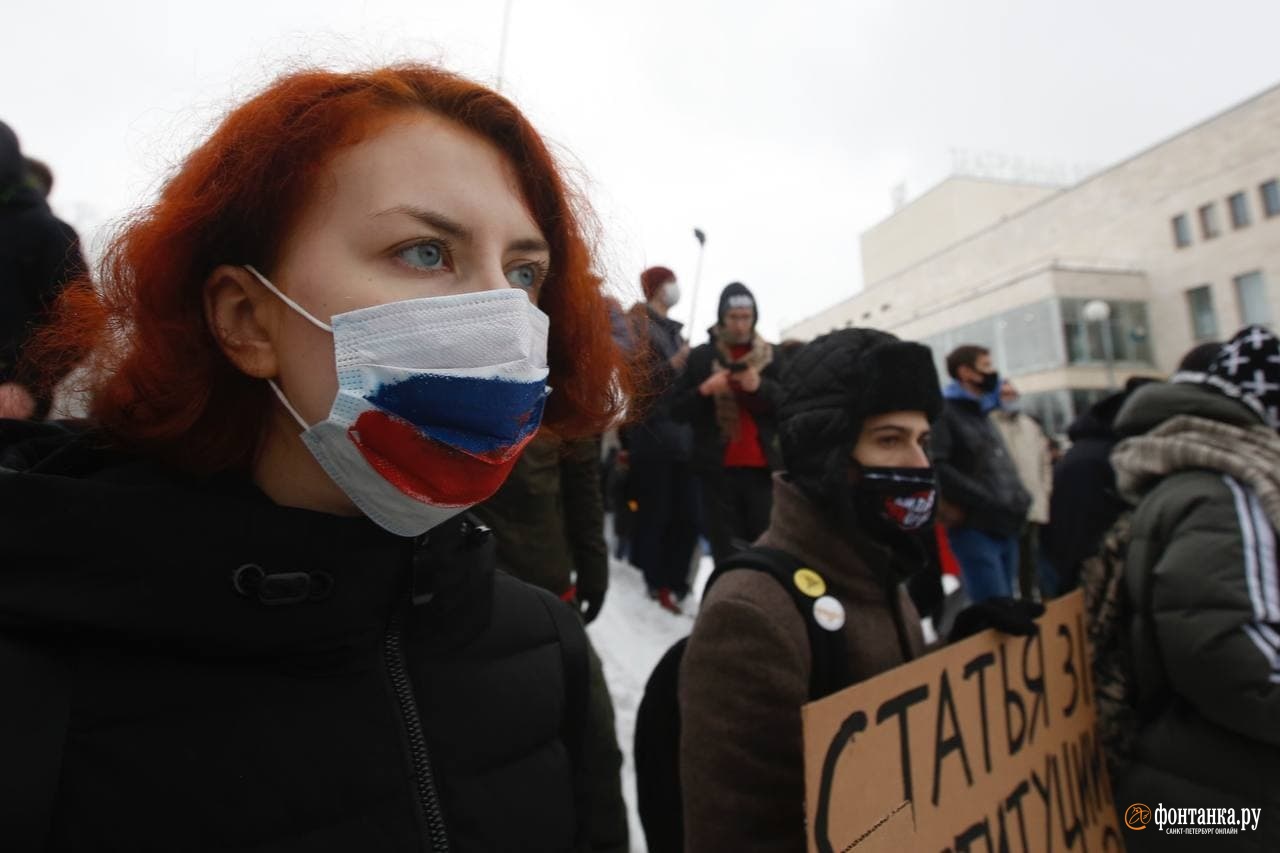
1247,369
736,295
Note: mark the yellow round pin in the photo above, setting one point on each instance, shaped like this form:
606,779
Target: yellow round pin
810,583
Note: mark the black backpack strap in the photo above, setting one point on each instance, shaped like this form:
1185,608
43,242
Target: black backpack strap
829,662
34,714
573,726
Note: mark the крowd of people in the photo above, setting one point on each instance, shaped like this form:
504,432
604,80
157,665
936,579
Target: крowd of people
730,393
1201,460
239,608
984,504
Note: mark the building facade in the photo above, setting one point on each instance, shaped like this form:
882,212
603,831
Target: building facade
1182,241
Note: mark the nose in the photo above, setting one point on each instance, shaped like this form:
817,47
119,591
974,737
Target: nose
919,458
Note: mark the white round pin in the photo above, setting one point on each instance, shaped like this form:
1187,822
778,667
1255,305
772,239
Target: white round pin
829,613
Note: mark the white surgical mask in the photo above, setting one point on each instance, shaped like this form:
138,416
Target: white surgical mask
436,398
670,294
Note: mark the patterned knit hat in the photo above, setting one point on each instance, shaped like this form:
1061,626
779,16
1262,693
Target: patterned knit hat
1247,369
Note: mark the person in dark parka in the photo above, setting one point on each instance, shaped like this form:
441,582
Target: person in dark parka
660,480
730,393
39,254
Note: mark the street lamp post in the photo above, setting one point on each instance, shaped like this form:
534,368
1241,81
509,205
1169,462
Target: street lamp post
1099,311
701,237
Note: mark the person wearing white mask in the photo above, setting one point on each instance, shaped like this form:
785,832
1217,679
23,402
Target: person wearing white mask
242,606
1029,448
659,480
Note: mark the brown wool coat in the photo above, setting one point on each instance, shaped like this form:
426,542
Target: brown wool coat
745,675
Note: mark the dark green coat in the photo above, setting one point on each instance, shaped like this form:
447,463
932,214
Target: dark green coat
1201,577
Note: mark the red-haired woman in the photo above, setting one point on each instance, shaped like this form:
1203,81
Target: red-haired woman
240,608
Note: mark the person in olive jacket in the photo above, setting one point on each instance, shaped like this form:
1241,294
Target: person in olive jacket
548,520
854,432
1201,461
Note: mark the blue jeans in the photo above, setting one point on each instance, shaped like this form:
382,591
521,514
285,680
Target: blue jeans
988,564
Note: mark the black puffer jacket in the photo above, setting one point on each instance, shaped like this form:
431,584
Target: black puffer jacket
1084,503
975,471
39,253
190,666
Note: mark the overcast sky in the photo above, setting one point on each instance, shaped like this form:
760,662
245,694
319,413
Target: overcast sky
779,128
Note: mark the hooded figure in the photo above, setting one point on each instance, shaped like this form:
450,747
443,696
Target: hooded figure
730,392
1202,464
852,429
39,254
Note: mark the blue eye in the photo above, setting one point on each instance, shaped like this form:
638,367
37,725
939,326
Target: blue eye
525,276
424,256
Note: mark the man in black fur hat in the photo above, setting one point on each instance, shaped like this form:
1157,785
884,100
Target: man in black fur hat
729,392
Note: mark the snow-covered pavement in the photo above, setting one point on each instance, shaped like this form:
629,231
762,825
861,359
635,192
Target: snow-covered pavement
630,635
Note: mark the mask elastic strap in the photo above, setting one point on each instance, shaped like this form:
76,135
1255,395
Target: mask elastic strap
287,301
284,402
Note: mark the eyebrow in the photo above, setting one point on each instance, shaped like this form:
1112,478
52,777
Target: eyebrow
457,230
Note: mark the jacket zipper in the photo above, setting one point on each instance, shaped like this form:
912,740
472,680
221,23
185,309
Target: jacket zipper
428,799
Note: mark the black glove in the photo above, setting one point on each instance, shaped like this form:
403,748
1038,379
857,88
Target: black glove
1008,615
588,602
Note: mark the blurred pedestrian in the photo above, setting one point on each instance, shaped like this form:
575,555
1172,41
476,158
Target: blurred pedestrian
1029,448
39,254
664,525
984,504
730,395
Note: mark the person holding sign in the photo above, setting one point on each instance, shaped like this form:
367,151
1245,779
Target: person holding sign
854,430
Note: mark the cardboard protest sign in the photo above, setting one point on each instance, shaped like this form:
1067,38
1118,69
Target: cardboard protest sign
986,745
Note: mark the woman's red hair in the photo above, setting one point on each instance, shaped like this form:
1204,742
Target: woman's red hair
158,381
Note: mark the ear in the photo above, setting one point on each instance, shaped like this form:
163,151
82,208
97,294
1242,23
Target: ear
240,314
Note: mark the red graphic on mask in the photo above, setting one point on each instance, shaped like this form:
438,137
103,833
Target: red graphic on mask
424,469
911,512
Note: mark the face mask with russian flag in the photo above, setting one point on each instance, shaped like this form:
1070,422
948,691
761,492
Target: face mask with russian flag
436,399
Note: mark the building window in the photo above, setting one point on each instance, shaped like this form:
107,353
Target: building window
1239,210
1251,296
1181,231
1270,192
1209,227
1127,328
1204,322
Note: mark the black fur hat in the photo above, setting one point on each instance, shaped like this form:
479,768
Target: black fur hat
834,384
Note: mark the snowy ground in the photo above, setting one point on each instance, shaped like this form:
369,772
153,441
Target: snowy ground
630,635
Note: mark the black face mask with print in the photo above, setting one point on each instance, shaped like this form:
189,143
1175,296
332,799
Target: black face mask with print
990,381
894,501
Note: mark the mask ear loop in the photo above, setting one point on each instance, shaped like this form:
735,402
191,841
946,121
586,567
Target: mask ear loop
284,402
307,315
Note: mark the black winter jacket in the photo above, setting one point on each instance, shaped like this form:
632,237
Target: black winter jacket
689,405
39,253
975,471
189,666
1084,502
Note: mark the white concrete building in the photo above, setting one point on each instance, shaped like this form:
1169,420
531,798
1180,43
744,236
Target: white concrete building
1181,240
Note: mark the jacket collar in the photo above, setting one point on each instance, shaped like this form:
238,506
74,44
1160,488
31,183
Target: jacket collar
861,566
